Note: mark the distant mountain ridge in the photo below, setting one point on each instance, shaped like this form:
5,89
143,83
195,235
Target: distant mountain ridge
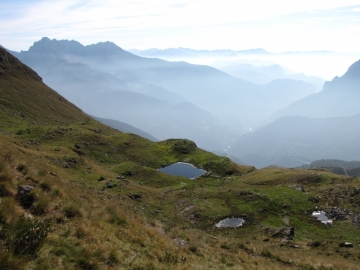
106,95
46,45
295,140
333,163
339,97
348,168
123,127
291,138
186,52
267,74
213,108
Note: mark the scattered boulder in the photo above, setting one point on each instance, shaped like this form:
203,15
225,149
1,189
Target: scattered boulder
128,173
101,178
299,187
135,196
179,242
72,160
79,152
285,241
356,220
338,213
125,181
110,185
65,165
25,196
315,199
283,232
346,244
20,132
24,189
314,244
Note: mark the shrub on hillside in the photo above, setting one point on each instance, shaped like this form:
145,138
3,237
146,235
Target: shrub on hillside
24,236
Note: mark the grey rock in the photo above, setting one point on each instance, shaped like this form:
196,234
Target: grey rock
110,185
283,232
356,219
66,165
338,213
24,189
101,178
346,244
314,244
135,196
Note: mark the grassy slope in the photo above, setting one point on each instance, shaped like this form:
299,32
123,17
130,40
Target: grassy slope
63,154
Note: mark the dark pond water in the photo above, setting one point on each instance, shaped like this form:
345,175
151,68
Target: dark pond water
321,216
230,223
183,169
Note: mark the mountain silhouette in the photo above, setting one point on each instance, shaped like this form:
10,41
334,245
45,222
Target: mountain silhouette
219,106
339,97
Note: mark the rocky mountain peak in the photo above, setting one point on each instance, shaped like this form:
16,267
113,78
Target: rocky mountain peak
353,72
72,47
46,45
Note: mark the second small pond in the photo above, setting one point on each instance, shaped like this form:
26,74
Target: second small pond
321,216
230,223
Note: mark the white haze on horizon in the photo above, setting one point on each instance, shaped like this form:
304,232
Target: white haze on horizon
276,26
324,65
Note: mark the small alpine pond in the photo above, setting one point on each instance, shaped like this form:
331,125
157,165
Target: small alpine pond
183,169
321,216
230,223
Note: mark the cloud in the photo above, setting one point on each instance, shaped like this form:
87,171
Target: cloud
275,25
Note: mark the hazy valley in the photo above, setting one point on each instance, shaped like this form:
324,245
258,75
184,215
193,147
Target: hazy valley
216,110
165,99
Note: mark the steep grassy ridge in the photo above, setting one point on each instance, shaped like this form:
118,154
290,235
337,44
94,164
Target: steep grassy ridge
22,94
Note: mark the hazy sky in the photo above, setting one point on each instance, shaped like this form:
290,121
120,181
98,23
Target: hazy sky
276,25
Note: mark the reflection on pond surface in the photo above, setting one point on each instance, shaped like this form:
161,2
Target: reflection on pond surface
230,223
321,216
183,169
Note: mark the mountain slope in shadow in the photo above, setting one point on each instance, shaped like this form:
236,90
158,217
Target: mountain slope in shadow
296,140
339,97
233,101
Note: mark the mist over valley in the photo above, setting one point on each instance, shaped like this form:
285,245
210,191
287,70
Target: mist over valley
216,108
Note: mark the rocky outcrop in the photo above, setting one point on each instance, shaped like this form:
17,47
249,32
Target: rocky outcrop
287,233
338,213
